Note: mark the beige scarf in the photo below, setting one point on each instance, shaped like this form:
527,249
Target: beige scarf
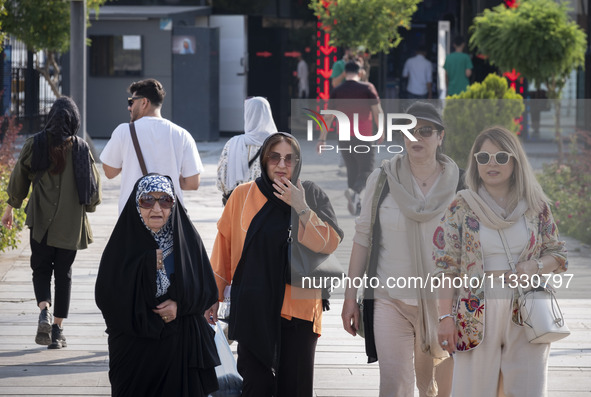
489,213
418,210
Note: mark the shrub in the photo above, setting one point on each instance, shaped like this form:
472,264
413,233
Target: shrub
569,187
9,238
482,105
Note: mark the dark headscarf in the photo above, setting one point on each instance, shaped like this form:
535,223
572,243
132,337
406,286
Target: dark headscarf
125,290
63,122
258,285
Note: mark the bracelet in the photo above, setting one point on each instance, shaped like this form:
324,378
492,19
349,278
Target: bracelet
445,316
540,266
302,212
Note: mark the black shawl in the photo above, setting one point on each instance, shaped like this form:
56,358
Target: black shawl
258,284
63,122
147,356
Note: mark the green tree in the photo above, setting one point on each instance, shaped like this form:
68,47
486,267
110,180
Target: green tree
44,26
9,238
372,24
537,39
482,105
2,33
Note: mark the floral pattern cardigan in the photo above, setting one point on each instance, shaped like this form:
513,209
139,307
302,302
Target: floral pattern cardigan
458,253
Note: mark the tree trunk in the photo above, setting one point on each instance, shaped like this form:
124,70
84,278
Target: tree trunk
52,79
558,132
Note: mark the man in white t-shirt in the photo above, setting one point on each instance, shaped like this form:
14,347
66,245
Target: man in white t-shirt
167,148
419,72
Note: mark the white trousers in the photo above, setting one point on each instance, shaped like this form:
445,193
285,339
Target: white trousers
504,364
400,356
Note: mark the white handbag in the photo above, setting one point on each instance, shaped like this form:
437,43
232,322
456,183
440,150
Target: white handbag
538,310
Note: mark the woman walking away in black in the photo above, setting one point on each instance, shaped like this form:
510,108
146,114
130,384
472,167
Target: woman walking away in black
66,185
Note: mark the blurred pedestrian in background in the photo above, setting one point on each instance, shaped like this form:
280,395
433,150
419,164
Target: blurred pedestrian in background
458,68
239,161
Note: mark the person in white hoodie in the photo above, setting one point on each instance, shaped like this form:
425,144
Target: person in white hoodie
239,159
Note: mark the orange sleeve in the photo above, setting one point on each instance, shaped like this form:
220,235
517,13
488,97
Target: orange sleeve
318,235
221,254
244,203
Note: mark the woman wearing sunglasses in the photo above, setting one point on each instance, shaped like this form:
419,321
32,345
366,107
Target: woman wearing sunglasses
406,197
479,321
153,285
276,328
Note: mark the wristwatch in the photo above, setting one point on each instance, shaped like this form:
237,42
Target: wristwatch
302,212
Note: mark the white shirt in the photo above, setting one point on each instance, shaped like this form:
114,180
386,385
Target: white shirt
493,251
394,256
419,72
167,149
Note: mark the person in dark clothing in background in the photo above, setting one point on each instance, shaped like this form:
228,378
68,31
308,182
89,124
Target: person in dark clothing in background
346,98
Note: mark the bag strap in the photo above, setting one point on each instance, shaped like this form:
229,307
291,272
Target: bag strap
556,311
510,258
256,156
138,150
377,199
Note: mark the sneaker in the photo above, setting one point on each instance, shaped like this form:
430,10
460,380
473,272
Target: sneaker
353,203
58,340
43,336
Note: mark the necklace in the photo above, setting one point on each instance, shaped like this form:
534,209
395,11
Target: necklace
424,181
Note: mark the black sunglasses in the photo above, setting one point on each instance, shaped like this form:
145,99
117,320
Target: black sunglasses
501,158
148,201
131,99
275,158
425,131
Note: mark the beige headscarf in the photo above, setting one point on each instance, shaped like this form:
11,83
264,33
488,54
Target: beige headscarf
489,213
418,210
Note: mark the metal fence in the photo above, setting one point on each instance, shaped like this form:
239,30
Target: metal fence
26,95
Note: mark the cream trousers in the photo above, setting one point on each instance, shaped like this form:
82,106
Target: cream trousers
399,352
504,364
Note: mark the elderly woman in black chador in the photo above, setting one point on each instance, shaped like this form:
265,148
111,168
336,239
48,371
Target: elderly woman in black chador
65,186
153,285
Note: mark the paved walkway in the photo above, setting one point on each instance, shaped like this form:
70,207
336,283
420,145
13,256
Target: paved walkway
27,369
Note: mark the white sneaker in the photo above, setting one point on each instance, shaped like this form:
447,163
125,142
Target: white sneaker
353,203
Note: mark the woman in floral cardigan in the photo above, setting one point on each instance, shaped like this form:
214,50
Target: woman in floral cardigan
478,320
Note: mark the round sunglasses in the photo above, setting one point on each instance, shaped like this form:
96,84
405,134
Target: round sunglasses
275,158
147,201
501,158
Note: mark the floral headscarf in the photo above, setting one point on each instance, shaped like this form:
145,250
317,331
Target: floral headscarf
164,237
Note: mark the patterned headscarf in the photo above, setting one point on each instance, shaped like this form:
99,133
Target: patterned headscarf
164,237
